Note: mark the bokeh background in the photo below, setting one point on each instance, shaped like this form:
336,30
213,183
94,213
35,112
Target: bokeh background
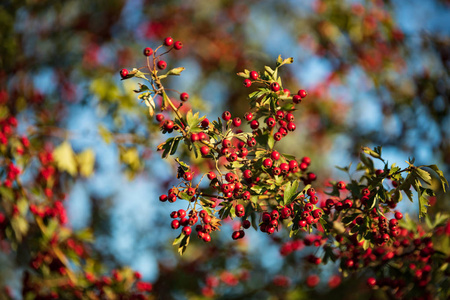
377,73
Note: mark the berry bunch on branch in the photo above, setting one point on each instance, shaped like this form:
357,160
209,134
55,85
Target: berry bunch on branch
250,180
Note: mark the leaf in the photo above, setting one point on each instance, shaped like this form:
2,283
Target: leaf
142,88
285,61
444,181
178,239
86,161
138,74
269,70
165,100
290,192
65,158
175,71
367,162
424,175
376,153
183,245
245,74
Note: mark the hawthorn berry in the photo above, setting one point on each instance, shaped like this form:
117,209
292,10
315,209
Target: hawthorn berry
398,215
248,116
230,177
276,171
237,122
188,176
371,281
246,195
148,51
206,238
274,86
275,155
341,185
235,235
168,41
175,224
178,45
187,230
267,163
286,92
270,122
284,167
280,116
302,93
254,124
254,75
204,150
226,115
163,198
277,136
246,224
247,82
184,97
159,117
291,126
124,73
205,123
161,64
211,175
202,136
296,99
240,211
251,142
243,152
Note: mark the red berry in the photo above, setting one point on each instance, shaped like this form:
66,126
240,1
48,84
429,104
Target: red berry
168,41
275,155
274,86
226,143
178,45
248,116
235,235
286,92
194,137
148,51
302,93
184,97
206,238
398,215
188,176
247,174
163,198
254,75
161,64
204,150
211,175
280,115
306,160
247,82
237,122
291,126
246,224
371,282
246,195
302,223
205,123
284,167
341,185
312,281
240,211
187,230
230,177
276,171
296,99
293,164
175,224
254,124
270,122
159,117
168,125
267,163
251,142
124,73
277,136
226,115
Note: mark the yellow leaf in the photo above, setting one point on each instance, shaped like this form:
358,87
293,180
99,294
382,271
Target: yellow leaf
86,160
65,158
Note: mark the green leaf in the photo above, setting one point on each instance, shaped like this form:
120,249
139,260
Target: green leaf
178,239
183,245
290,192
444,181
376,153
138,74
65,158
165,101
367,162
422,174
175,71
86,161
245,74
286,61
142,88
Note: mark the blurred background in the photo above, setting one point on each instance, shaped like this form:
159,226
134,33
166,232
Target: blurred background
376,72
